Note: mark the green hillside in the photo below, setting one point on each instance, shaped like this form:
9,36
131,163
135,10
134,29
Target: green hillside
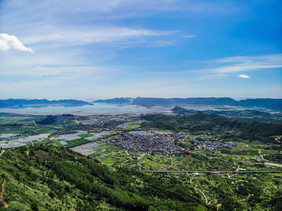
53,178
201,123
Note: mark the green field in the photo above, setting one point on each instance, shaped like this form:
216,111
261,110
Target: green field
57,142
36,130
77,142
131,125
86,135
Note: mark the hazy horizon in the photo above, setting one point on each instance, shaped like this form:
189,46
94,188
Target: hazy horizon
94,99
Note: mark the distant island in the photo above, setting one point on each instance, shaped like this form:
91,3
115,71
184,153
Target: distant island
266,103
21,103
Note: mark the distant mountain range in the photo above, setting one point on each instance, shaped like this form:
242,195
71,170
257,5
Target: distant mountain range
265,103
273,104
20,103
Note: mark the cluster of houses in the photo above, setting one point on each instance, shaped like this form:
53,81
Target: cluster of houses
144,143
210,146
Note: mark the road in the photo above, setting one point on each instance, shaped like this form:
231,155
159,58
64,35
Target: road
209,172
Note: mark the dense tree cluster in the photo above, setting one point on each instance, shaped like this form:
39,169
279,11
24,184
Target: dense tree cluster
201,123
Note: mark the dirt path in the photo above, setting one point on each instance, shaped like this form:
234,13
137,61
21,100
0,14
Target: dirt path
274,164
267,163
261,154
2,152
171,163
2,193
246,198
202,193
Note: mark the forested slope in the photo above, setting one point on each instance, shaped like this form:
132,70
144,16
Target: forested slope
52,178
213,124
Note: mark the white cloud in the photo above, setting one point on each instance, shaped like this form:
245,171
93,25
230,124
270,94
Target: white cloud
235,65
189,36
244,76
8,42
108,6
243,67
247,63
78,36
273,58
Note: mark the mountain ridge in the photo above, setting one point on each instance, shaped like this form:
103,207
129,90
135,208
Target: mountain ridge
269,103
18,103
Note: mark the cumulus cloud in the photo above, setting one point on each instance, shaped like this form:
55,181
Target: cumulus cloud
8,42
244,76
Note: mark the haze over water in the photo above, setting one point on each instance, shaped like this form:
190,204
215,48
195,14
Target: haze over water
106,108
97,108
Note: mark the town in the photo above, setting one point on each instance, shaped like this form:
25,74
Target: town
156,143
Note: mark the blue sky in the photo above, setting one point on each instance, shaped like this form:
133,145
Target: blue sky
128,48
